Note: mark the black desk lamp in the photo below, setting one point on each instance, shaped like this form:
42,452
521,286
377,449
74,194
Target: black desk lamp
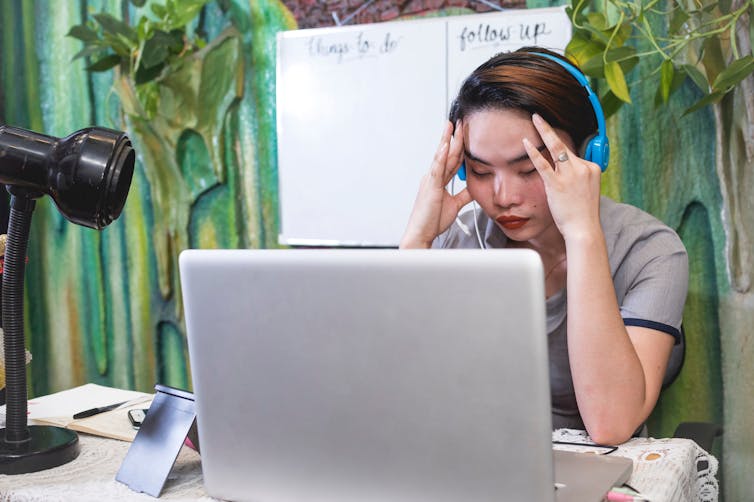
88,175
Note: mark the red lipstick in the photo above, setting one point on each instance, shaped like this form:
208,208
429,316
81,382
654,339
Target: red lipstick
511,222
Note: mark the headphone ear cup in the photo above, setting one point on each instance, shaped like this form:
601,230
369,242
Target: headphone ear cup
598,151
462,172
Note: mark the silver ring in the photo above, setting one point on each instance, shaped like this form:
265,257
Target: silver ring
562,157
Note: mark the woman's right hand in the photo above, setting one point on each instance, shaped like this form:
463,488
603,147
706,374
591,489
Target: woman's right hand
435,208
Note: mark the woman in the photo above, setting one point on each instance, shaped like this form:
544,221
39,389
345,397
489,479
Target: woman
517,124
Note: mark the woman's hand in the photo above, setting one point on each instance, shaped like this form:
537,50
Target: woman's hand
572,183
435,208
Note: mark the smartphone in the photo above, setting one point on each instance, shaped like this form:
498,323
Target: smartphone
137,417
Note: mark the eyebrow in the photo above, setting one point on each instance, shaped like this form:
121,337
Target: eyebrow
525,156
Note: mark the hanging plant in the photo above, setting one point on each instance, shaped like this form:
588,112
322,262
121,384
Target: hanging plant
700,40
146,52
710,43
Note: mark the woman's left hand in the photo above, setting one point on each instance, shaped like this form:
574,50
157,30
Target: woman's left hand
572,184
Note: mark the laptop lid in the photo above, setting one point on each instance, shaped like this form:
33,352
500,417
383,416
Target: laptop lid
334,375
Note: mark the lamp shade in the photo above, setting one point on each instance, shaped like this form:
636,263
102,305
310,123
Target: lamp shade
87,173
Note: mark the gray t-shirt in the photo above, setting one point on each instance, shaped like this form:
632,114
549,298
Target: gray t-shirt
649,266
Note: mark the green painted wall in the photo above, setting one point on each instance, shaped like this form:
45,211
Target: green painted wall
104,307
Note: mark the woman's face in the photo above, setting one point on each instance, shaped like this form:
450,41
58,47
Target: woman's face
502,178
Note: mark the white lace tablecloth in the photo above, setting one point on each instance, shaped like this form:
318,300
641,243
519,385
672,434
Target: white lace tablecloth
664,470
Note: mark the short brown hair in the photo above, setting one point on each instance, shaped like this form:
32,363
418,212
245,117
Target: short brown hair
523,80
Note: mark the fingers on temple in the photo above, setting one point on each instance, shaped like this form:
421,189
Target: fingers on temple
455,153
552,141
540,162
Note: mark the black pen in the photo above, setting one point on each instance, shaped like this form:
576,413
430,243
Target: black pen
96,411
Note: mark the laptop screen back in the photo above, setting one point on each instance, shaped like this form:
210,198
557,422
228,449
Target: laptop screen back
334,375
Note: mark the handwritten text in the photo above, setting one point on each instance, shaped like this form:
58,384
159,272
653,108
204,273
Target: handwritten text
487,34
359,46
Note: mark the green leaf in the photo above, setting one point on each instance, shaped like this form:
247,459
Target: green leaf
666,79
144,75
105,63
678,20
176,40
734,73
713,58
751,31
715,97
86,52
610,104
697,77
116,27
581,49
597,21
156,50
679,77
138,3
83,33
622,35
158,10
143,29
617,81
594,66
182,13
117,44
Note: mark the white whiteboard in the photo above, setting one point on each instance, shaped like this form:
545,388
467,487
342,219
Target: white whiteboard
360,110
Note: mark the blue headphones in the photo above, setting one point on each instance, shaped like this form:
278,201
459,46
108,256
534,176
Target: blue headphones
598,147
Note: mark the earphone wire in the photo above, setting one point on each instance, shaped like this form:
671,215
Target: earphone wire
482,245
461,224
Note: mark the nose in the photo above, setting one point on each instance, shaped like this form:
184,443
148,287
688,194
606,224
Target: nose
507,191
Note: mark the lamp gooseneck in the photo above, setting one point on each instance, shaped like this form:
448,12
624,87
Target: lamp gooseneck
13,324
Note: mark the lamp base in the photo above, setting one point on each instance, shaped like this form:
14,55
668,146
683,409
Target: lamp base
49,447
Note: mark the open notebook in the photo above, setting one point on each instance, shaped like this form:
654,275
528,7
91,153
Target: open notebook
58,409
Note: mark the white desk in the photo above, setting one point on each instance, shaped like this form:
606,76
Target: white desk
664,470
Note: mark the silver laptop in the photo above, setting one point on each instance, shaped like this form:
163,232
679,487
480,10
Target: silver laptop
359,375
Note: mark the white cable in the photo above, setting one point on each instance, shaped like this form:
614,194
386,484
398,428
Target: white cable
464,228
476,227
